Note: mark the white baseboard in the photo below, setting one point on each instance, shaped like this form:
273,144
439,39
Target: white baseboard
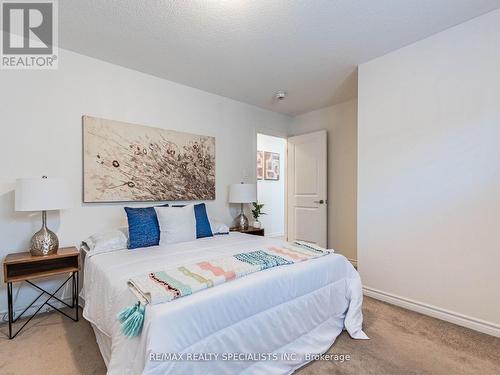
434,311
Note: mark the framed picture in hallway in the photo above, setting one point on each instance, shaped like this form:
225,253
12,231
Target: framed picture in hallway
260,165
271,166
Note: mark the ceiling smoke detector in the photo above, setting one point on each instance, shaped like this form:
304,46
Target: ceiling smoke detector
280,95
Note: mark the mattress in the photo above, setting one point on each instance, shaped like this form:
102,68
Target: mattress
266,322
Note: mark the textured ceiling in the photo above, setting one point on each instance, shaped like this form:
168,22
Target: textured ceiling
249,49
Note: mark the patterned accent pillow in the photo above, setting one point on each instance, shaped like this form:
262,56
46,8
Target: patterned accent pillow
143,227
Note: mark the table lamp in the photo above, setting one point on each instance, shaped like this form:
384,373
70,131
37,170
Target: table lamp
242,193
42,194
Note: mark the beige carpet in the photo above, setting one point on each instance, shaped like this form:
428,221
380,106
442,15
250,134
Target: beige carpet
402,342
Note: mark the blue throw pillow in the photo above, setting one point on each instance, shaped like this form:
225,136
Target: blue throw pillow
143,227
203,228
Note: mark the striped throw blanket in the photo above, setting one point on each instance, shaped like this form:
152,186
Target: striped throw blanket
171,283
166,285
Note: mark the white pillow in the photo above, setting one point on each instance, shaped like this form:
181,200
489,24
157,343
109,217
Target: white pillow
104,242
218,227
177,224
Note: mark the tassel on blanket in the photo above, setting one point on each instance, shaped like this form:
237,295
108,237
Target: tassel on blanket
125,313
132,320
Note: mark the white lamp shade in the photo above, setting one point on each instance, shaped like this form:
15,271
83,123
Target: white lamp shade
242,193
42,194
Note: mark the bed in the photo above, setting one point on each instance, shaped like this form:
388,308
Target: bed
261,323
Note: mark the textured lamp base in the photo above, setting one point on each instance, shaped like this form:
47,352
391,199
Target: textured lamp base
44,242
242,221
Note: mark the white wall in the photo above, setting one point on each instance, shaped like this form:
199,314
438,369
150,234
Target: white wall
270,192
340,121
41,133
429,174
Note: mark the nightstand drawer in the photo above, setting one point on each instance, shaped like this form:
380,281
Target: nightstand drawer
41,268
23,266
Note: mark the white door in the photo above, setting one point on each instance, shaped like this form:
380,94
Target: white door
307,188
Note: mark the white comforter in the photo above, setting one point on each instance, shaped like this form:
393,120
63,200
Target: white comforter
294,309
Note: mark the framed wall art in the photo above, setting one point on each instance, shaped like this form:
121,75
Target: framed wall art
125,162
271,166
260,165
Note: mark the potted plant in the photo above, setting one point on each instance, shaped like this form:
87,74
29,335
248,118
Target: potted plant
256,212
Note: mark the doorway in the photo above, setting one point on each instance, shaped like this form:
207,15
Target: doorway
271,183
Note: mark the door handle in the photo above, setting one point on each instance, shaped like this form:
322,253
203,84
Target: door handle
321,201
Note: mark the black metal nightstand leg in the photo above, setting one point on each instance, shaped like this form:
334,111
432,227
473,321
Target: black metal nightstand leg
75,293
9,302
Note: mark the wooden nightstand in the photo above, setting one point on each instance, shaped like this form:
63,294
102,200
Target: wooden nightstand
25,267
250,230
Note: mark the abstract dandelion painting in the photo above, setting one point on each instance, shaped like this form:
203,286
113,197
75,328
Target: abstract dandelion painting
126,162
